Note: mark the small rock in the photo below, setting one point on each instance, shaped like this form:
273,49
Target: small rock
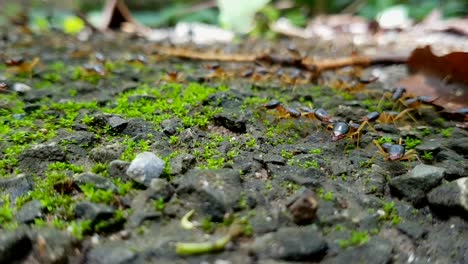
414,230
182,163
21,88
14,246
460,145
290,243
94,212
414,185
52,246
171,126
450,198
160,189
270,158
117,123
139,216
16,186
231,120
433,145
111,253
29,211
97,181
303,206
145,167
118,168
80,138
107,153
139,128
213,192
376,251
37,157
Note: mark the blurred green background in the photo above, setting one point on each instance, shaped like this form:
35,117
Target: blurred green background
161,13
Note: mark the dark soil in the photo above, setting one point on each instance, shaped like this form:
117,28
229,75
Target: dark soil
276,188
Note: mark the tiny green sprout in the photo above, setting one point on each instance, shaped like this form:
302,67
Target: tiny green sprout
357,238
251,143
100,168
447,133
391,213
383,140
80,228
411,143
315,151
427,156
6,211
88,120
159,205
286,154
97,195
173,140
426,132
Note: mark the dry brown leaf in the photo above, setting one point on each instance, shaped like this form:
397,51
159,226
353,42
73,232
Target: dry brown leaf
443,77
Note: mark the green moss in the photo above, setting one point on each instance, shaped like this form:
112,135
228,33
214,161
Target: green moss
6,211
170,100
327,196
447,133
97,195
357,238
411,143
390,213
159,205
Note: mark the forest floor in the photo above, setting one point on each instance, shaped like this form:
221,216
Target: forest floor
265,185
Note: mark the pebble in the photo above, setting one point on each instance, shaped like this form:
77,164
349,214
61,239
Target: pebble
290,243
414,185
450,198
145,167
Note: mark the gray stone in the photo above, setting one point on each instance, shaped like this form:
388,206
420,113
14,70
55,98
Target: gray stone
14,246
21,88
97,181
303,206
375,251
52,246
29,211
450,198
36,158
290,243
145,167
160,189
94,212
460,145
182,163
414,185
309,177
270,158
16,186
107,153
212,192
433,145
80,138
112,253
414,230
117,123
118,169
139,128
231,120
171,126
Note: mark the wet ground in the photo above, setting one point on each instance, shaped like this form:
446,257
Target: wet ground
112,152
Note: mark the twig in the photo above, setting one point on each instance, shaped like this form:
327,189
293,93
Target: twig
309,64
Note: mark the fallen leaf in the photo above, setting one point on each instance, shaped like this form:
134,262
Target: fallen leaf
441,77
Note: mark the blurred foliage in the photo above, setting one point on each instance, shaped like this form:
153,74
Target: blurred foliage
46,14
